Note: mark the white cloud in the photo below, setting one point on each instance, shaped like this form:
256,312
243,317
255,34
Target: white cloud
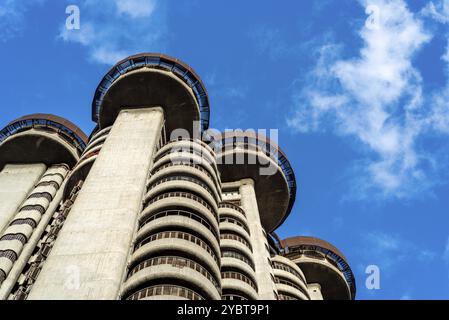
136,8
12,17
390,250
438,11
376,98
112,30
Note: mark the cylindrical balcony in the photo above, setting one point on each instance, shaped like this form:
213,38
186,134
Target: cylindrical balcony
149,79
41,138
237,264
323,264
177,244
247,155
288,274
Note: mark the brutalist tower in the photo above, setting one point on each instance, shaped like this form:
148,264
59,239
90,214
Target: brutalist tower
153,205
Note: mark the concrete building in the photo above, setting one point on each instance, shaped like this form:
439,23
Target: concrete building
153,205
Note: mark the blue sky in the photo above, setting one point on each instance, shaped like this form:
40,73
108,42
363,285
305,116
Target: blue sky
358,90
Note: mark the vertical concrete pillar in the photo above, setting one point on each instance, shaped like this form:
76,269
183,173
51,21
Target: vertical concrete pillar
261,255
16,182
315,291
88,260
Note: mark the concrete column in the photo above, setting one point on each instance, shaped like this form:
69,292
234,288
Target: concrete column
16,182
315,291
88,260
261,255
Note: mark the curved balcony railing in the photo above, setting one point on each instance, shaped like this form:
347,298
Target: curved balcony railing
60,175
45,195
236,222
226,253
284,267
176,262
191,165
264,145
328,253
17,236
182,178
66,130
36,207
230,236
283,296
157,61
232,206
178,235
180,194
182,213
239,276
190,150
27,221
165,290
191,140
235,297
291,284
8,254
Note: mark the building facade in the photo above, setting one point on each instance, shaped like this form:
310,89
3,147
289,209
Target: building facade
153,205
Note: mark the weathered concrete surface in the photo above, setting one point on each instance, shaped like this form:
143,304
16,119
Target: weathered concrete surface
16,271
272,191
16,181
315,291
90,255
261,255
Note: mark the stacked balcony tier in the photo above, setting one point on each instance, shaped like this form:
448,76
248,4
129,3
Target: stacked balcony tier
322,264
248,155
290,280
176,248
237,264
20,229
87,159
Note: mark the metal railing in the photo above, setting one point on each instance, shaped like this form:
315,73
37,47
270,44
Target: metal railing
178,262
181,194
226,253
291,284
63,131
183,178
284,267
157,62
165,290
235,221
177,235
182,213
231,236
232,206
239,276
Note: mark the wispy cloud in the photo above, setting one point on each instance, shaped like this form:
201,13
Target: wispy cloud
390,250
438,11
12,17
114,29
269,41
377,98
